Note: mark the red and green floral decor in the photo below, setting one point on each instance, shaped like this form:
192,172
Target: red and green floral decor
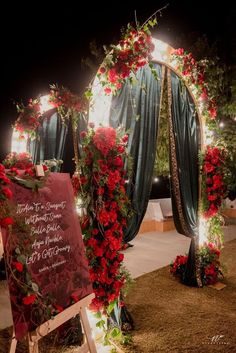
100,183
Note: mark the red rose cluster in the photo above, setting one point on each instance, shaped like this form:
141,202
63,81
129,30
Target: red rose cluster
213,177
21,161
210,263
5,194
208,256
132,52
29,118
194,72
101,186
63,98
177,267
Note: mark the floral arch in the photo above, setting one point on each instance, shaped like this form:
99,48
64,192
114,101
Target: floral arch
204,223
197,196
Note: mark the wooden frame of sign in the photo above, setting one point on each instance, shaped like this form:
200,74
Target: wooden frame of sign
47,327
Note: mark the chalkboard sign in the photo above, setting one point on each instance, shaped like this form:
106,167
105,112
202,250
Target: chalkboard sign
56,261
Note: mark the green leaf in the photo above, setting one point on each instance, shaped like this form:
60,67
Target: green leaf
111,306
35,287
98,315
115,333
100,323
21,258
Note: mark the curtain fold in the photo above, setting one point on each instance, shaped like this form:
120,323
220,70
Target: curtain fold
50,142
184,148
136,109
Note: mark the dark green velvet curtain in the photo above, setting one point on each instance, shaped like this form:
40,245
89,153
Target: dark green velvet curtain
184,148
51,139
136,108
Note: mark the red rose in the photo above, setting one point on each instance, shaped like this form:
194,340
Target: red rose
18,266
125,138
7,221
102,70
74,297
91,125
107,90
5,179
7,192
212,197
208,167
83,134
30,299
2,168
59,308
212,112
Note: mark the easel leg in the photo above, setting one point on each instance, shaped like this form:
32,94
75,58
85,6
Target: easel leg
87,331
13,343
33,346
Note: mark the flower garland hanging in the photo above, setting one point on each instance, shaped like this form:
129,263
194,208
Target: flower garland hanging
133,51
193,73
100,184
213,192
28,119
212,181
68,105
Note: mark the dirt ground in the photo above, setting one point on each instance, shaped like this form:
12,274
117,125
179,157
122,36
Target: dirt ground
172,318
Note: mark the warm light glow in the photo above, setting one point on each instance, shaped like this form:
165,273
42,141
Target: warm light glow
45,105
207,135
202,231
156,180
221,124
100,105
98,333
18,145
161,51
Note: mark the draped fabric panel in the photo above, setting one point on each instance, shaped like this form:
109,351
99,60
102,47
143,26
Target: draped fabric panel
136,109
184,148
51,140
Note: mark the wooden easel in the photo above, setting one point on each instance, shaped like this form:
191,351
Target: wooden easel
47,327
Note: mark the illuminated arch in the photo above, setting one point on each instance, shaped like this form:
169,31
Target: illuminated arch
101,104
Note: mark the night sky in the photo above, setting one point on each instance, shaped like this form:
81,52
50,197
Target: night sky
44,43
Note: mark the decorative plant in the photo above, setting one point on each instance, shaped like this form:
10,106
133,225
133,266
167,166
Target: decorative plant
210,267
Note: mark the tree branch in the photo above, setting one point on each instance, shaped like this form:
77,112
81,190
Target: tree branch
154,14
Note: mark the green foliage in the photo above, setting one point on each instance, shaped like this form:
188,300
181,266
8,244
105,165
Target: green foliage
161,165
227,135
